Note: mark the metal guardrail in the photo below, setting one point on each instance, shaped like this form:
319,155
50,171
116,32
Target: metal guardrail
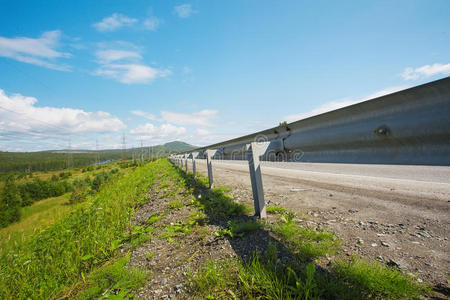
409,127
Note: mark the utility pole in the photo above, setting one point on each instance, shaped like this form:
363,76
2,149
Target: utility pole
142,152
97,155
124,148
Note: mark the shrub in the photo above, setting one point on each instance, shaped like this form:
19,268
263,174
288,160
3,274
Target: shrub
80,190
9,203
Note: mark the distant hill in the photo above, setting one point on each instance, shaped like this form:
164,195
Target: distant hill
58,159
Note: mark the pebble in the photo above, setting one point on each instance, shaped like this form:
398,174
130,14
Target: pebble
374,244
384,244
360,241
163,281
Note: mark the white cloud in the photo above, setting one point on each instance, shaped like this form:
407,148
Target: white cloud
201,118
425,71
184,10
333,105
132,73
151,23
19,116
149,131
114,22
201,131
110,55
39,51
143,114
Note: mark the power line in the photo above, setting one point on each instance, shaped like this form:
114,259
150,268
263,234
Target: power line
26,115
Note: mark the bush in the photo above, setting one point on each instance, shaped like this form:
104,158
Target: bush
80,190
9,203
39,189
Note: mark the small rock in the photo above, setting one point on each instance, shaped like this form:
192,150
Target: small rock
374,244
163,281
360,241
379,258
384,244
361,223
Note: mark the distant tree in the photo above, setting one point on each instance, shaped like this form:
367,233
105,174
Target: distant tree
9,203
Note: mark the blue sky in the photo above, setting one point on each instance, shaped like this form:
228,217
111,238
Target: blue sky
202,71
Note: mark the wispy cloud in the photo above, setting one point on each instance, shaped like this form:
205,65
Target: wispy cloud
110,55
200,118
184,10
150,131
333,105
426,71
125,65
132,73
37,51
143,114
151,23
114,22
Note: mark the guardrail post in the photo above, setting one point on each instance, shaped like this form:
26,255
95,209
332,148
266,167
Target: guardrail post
255,150
209,155
186,163
194,156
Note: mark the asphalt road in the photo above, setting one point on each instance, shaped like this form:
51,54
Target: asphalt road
422,181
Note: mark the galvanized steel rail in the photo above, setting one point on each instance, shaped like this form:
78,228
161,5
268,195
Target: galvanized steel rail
410,127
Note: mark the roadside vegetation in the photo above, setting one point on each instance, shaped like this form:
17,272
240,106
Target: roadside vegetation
55,256
90,252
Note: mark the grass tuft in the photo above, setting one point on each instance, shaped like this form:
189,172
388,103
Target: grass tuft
375,278
307,242
113,280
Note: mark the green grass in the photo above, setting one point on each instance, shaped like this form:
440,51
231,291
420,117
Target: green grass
307,242
33,219
113,280
239,228
275,209
376,279
256,278
64,253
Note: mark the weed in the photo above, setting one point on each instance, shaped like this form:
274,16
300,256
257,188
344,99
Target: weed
113,279
275,209
239,228
154,218
375,278
308,242
175,204
141,234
